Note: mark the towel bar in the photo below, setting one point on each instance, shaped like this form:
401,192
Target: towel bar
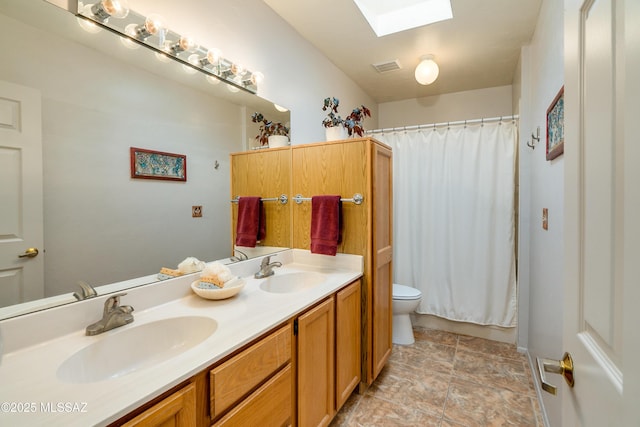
357,199
283,199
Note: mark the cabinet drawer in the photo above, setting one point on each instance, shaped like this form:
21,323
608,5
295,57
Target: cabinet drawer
238,376
268,406
177,410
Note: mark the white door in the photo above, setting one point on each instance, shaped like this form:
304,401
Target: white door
21,221
602,233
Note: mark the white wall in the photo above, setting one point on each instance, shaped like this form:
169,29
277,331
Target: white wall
450,107
542,66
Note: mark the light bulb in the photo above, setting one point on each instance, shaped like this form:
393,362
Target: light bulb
238,69
194,59
107,8
427,70
152,25
184,44
281,109
257,77
214,55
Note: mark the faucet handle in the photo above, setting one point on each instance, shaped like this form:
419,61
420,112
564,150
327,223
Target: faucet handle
113,301
265,261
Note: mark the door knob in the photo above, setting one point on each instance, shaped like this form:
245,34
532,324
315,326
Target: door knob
563,367
29,253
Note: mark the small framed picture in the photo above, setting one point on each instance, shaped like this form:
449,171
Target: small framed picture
150,164
555,126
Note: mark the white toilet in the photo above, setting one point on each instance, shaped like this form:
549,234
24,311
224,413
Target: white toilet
405,301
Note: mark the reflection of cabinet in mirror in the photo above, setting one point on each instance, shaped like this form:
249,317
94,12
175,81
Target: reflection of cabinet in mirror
347,167
264,173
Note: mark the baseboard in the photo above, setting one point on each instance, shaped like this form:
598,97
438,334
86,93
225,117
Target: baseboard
495,333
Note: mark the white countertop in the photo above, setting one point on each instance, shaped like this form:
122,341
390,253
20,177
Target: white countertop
37,344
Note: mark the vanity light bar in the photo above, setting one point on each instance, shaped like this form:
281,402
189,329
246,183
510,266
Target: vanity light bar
144,31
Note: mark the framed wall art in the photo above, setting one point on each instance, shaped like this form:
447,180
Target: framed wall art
150,164
555,126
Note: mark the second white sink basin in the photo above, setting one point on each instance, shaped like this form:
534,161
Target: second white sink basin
134,348
292,282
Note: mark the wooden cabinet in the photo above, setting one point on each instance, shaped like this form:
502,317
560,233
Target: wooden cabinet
347,167
316,365
348,343
264,173
328,356
255,386
364,166
177,410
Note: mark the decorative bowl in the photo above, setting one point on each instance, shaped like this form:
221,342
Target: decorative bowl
231,288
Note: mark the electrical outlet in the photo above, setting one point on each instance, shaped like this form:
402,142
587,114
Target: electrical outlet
196,211
545,218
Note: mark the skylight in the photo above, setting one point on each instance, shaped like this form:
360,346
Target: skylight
388,17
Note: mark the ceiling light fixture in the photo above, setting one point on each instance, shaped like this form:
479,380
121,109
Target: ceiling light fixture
427,70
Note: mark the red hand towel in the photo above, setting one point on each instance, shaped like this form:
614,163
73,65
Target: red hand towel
325,224
251,224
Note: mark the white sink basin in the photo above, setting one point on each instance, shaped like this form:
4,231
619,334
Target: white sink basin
135,347
292,282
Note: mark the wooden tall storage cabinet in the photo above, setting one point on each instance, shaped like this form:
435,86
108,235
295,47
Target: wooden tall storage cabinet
348,167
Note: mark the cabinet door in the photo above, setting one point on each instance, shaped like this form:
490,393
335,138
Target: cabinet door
348,340
177,410
316,365
382,283
266,174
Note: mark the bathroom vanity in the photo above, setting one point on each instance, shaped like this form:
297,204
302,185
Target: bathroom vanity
266,356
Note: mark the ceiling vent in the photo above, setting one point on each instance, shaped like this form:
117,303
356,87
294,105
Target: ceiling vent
386,66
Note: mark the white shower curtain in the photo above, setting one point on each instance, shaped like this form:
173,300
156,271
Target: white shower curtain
454,219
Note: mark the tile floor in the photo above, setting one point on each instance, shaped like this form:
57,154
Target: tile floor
448,380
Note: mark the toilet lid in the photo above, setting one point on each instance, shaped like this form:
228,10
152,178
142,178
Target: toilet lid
402,292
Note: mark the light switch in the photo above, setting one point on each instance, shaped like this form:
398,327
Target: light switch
196,211
545,218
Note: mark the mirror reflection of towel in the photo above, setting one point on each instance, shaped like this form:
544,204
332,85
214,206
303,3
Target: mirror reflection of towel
251,221
326,212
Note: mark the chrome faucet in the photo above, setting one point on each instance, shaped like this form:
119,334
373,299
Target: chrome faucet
113,316
241,257
266,268
87,291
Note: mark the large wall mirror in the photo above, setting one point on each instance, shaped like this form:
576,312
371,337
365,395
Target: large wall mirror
99,99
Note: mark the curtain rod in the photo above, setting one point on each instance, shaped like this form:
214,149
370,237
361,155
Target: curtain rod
434,125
